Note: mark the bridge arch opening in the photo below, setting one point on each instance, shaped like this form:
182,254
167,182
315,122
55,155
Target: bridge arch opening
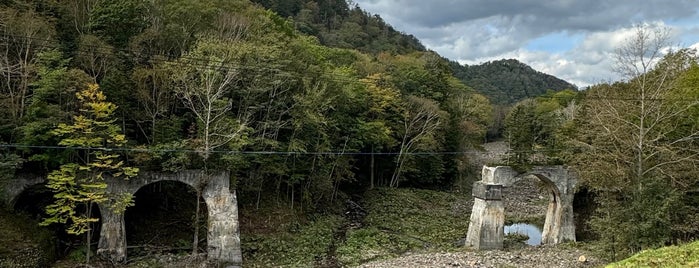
526,201
30,205
531,201
162,219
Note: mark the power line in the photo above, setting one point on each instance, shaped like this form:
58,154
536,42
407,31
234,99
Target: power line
146,150
237,152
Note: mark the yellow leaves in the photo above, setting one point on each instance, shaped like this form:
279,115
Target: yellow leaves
381,92
84,184
91,94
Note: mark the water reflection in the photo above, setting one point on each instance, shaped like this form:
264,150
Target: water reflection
530,230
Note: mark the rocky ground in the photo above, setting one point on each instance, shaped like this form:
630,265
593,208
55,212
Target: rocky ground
541,256
527,201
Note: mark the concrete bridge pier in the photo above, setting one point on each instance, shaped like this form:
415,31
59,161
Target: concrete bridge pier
223,237
486,230
112,243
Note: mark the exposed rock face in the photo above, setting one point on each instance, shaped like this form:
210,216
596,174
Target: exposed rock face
486,228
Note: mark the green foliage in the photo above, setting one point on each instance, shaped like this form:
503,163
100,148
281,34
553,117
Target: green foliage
299,245
673,256
507,81
336,23
118,21
82,183
538,129
369,244
403,220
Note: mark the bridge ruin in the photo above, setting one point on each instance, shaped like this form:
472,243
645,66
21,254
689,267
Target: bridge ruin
486,228
223,235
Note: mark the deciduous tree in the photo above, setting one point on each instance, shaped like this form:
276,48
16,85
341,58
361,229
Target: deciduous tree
81,184
639,142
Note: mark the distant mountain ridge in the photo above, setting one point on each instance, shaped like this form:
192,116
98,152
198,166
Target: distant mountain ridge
508,81
342,24
337,23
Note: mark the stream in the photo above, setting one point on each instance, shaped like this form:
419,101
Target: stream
530,230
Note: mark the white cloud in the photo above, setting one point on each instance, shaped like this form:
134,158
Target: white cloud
474,31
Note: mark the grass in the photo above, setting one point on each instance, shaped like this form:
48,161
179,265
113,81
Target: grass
673,256
25,244
406,220
280,237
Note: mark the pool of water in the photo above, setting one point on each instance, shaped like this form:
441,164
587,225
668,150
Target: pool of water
530,230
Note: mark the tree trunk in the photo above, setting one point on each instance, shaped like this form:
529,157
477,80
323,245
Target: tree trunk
371,176
195,243
88,234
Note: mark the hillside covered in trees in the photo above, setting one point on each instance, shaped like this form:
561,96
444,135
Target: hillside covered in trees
117,87
308,104
508,81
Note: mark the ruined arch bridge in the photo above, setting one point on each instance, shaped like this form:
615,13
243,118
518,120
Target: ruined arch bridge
486,228
223,235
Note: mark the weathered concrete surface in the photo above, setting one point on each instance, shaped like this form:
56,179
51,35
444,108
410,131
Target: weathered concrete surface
112,243
487,216
223,237
13,188
486,230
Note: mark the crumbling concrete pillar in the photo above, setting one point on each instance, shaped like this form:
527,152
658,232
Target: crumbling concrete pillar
223,237
486,229
112,243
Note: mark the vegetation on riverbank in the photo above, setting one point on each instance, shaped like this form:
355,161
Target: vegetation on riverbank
672,256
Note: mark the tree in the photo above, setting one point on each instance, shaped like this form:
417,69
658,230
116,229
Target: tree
383,100
24,35
421,120
53,101
205,91
118,21
82,184
470,116
639,142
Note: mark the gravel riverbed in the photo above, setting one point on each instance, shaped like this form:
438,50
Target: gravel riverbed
540,256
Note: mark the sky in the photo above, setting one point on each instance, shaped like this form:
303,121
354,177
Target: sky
572,39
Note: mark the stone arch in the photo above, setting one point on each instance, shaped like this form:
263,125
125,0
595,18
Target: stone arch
159,202
16,186
223,236
486,229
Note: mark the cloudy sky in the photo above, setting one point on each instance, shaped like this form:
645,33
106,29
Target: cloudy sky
571,39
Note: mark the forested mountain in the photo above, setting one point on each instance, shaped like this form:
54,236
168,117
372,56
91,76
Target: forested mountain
339,23
507,81
318,101
200,83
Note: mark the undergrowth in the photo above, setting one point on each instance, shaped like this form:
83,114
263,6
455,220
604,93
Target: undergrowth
673,256
406,220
